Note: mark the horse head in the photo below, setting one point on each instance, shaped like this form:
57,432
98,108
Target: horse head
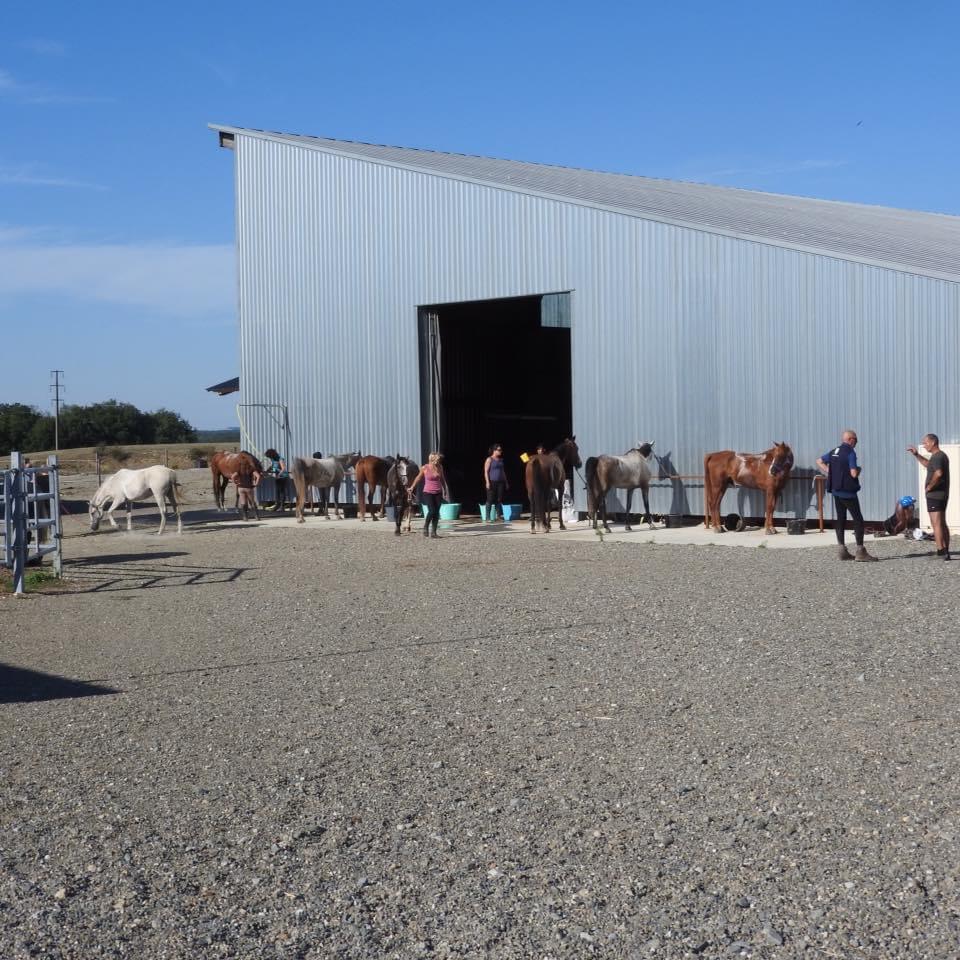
569,453
96,515
781,458
645,449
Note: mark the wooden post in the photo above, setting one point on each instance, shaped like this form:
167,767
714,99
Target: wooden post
99,481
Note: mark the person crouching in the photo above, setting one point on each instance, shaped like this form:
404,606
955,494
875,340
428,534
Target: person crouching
245,483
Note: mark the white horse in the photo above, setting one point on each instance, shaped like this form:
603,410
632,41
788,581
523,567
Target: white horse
308,472
125,486
605,473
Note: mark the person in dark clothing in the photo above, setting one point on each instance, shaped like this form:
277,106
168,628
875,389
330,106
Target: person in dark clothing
278,470
495,479
936,489
842,470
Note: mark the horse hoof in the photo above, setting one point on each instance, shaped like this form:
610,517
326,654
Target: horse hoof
771,532
628,529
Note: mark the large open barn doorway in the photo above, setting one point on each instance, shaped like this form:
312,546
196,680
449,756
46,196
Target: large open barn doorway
494,371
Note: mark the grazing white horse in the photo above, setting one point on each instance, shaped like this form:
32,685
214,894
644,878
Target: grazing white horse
125,486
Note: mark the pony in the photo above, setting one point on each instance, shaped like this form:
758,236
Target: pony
606,472
546,476
323,474
399,476
767,471
372,471
224,465
125,486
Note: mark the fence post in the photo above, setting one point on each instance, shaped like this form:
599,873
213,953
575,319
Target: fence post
18,505
166,457
99,481
53,462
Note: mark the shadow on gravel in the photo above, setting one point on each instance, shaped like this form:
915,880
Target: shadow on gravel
106,559
19,685
103,578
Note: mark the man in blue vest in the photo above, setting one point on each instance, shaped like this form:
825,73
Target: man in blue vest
840,467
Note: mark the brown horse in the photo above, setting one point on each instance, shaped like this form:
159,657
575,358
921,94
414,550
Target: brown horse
767,471
546,476
371,472
224,465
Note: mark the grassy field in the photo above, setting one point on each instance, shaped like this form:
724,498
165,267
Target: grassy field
179,456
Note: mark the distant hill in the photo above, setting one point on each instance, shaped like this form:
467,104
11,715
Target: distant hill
229,435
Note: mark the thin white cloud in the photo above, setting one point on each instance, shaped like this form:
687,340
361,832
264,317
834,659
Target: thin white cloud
29,176
45,47
173,280
773,169
32,93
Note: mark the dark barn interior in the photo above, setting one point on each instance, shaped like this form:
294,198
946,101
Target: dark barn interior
504,378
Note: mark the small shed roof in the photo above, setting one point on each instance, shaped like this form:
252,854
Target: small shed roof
914,241
228,386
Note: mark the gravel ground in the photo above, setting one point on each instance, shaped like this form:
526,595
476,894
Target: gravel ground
326,742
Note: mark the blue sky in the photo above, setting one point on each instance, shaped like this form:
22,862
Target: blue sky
116,207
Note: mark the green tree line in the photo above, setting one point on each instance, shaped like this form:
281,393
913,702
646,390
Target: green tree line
28,429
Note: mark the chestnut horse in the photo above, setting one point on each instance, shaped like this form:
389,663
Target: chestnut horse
767,471
399,477
546,476
629,472
224,465
371,472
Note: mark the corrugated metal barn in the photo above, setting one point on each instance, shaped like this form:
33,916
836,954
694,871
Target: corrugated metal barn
394,299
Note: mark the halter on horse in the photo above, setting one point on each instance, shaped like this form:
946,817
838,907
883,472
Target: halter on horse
606,473
401,472
322,474
767,471
546,476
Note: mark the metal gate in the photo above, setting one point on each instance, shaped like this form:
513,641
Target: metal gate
30,516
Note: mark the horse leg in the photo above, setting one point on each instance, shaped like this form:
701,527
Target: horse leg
645,491
162,507
602,501
627,526
769,528
129,505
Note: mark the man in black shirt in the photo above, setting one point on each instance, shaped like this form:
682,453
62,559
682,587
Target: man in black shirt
936,489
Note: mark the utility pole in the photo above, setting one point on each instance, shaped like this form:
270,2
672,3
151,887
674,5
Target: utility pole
56,386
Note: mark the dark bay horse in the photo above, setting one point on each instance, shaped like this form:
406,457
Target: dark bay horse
546,476
323,474
372,472
224,465
606,473
767,471
399,477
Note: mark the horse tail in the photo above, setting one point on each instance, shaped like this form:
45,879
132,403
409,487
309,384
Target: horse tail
177,492
299,474
590,472
541,492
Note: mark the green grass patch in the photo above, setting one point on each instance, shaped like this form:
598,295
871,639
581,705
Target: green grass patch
35,580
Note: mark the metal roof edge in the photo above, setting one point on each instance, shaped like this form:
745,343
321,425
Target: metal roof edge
288,140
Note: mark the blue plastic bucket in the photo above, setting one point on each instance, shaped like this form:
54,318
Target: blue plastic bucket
448,511
512,511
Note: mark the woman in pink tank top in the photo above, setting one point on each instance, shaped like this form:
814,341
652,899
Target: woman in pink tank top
434,487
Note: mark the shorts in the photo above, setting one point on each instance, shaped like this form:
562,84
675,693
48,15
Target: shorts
936,504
